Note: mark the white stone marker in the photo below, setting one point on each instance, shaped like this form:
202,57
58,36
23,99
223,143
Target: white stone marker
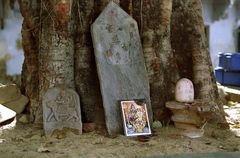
184,91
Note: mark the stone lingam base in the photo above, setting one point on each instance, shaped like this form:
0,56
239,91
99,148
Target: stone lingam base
191,117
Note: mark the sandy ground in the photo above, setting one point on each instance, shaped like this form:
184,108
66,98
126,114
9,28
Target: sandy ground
24,140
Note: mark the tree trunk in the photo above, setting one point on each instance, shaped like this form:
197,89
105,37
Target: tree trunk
58,51
154,19
30,40
86,78
192,54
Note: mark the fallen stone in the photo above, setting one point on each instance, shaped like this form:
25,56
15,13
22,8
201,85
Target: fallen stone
43,149
6,114
61,109
24,119
9,93
18,105
120,64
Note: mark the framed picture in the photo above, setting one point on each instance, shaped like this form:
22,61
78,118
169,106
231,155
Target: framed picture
135,118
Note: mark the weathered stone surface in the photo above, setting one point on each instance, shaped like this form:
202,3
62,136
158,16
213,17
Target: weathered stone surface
10,97
24,119
9,93
120,63
185,126
188,115
61,109
18,105
6,114
184,91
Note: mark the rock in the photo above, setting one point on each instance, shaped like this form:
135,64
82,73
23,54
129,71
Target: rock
184,91
61,109
237,133
120,63
6,114
88,127
9,93
24,119
17,105
186,116
43,149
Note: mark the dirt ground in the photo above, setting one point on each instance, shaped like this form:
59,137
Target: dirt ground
25,140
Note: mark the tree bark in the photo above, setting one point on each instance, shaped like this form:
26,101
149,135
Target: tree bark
154,19
30,11
86,78
191,49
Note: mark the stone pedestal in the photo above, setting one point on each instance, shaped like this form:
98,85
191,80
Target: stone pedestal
189,116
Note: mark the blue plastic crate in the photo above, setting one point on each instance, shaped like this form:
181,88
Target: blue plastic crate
229,61
226,77
219,74
235,62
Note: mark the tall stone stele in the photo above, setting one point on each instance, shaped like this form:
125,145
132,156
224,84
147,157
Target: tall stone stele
184,91
120,63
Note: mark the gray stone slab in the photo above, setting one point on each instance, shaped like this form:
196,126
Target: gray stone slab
61,109
120,63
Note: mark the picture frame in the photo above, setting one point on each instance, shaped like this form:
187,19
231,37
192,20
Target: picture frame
135,117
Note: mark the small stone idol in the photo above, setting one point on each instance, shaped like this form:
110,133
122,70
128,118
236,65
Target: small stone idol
184,91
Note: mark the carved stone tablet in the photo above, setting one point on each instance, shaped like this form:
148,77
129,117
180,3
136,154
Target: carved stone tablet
61,108
184,91
120,63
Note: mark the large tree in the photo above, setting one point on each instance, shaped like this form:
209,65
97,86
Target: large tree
59,52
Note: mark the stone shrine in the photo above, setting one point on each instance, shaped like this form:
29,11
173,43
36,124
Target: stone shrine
188,114
61,109
184,91
120,63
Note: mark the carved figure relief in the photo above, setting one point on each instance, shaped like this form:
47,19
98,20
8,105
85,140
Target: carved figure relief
61,108
121,37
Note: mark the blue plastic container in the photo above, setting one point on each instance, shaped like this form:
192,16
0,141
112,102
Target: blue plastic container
231,78
221,58
229,61
219,74
235,62
226,77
